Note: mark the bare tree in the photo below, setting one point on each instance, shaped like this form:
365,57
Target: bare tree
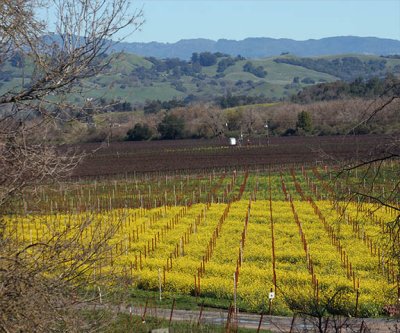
56,66
38,290
375,177
203,120
327,313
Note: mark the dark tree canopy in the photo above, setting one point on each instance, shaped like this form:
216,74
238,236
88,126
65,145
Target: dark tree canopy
257,71
139,132
207,59
171,127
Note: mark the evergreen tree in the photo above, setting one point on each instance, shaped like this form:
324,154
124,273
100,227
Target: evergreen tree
304,122
171,127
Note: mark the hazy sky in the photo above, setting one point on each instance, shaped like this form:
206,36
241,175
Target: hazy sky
170,21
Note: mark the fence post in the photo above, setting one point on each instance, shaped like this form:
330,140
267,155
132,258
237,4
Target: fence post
172,311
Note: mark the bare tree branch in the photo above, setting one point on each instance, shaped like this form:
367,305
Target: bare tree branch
41,283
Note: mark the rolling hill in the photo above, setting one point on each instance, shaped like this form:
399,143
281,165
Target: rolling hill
135,79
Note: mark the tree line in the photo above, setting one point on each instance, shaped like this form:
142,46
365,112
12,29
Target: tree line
334,117
329,109
360,87
346,68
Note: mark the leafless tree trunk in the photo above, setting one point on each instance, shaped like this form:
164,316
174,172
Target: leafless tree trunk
41,283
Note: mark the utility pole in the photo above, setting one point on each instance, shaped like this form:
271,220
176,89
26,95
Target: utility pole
266,128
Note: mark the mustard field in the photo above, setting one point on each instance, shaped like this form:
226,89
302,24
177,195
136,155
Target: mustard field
236,235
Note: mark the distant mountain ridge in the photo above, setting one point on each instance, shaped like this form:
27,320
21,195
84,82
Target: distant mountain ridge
261,47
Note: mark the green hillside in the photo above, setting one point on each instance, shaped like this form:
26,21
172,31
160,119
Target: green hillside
135,79
122,83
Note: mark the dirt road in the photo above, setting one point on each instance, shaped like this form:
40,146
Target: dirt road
274,323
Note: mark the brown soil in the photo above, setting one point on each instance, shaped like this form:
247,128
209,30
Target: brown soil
190,155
